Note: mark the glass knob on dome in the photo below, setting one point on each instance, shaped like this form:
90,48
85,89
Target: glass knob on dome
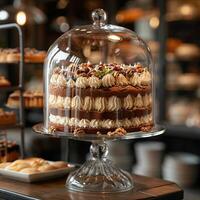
99,17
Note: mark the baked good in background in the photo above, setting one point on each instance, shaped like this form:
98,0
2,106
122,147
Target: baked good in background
34,56
193,119
100,99
31,55
32,99
188,81
130,15
173,44
4,82
7,117
179,110
187,51
33,165
10,151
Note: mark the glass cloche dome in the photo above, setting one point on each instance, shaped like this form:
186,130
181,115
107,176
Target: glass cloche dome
99,80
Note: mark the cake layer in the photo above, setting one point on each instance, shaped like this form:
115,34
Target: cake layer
69,129
119,91
100,104
107,123
87,75
121,114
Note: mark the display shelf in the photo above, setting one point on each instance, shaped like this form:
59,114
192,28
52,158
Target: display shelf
180,93
12,126
25,108
20,86
10,88
17,63
182,131
185,61
174,89
164,92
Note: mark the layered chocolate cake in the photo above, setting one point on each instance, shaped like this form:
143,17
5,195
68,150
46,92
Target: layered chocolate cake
100,98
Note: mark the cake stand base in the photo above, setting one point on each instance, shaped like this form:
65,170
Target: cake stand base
98,174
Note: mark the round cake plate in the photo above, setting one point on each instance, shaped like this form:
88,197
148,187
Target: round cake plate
98,174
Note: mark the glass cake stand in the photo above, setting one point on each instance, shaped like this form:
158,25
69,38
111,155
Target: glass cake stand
98,173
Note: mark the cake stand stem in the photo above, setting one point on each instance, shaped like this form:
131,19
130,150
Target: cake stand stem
98,174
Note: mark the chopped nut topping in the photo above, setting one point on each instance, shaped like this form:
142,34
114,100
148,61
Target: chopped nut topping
117,132
99,133
146,128
57,70
79,132
51,129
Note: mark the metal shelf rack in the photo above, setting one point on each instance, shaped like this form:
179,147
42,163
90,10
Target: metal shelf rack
20,86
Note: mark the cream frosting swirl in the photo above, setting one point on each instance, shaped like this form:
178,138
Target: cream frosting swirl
121,80
119,123
145,78
94,82
84,123
67,102
88,103
76,102
114,103
146,100
108,123
138,101
135,80
95,123
108,80
70,83
52,118
136,122
66,121
52,100
73,121
60,102
62,120
127,123
61,80
81,82
53,79
128,102
100,104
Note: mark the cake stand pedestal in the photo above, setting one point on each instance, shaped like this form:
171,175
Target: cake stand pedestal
98,173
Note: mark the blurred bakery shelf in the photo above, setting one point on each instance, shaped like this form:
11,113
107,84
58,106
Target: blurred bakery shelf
12,126
183,92
182,131
175,89
17,63
10,88
20,124
131,15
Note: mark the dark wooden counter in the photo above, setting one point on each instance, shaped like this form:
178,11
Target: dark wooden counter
145,188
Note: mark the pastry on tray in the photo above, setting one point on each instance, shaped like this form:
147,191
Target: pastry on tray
7,117
9,151
100,99
4,82
34,56
31,55
32,99
34,165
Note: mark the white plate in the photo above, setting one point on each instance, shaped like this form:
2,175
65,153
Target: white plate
39,176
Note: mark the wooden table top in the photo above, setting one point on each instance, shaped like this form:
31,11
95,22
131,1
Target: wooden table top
145,188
